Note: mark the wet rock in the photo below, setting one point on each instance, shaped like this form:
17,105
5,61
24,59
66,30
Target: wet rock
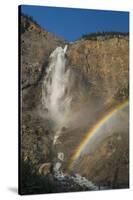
45,169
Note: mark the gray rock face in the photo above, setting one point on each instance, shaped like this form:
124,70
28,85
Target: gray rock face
36,46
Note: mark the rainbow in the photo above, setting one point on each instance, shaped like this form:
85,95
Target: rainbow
93,130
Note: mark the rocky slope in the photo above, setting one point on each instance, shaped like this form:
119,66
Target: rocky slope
105,63
36,46
105,167
101,64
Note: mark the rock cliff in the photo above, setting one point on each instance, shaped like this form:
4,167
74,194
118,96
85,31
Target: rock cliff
103,65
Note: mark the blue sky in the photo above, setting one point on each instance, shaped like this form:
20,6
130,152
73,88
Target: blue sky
71,24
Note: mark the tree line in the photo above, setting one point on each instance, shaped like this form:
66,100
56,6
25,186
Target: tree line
104,34
30,18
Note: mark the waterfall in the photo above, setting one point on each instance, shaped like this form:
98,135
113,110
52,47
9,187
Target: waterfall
55,86
56,99
80,180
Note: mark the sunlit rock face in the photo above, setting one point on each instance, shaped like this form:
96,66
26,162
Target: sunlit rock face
66,89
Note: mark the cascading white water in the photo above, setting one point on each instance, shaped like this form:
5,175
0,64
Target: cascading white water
80,180
56,99
55,86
